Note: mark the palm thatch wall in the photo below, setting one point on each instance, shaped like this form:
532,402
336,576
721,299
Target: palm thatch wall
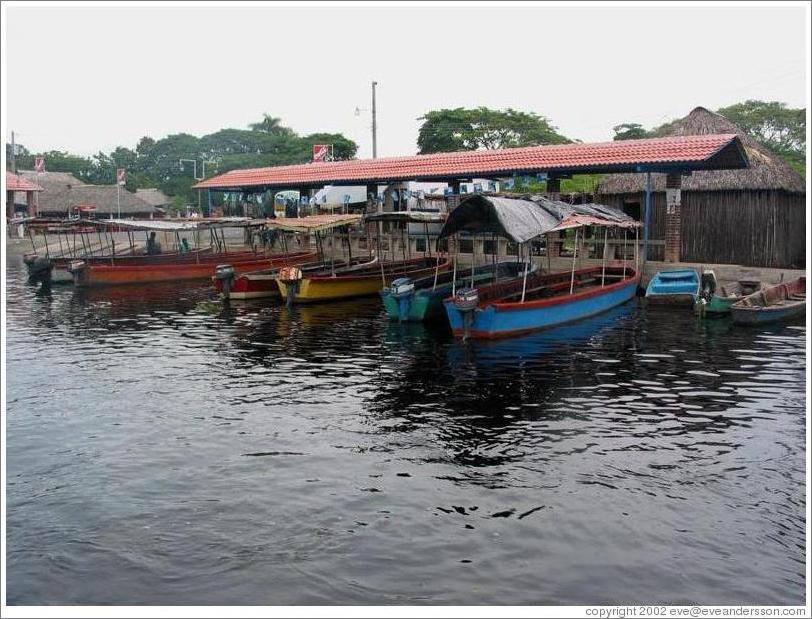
755,216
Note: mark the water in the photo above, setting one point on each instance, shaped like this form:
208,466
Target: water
164,450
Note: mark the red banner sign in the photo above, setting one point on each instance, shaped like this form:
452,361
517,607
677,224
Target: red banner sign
121,176
39,165
320,152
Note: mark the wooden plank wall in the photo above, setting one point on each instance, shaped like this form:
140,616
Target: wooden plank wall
752,228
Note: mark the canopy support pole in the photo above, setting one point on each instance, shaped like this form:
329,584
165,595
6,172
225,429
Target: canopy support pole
603,270
454,276
547,251
574,255
636,253
624,254
473,259
524,279
647,223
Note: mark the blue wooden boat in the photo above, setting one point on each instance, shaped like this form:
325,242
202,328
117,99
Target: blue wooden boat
676,287
550,300
782,302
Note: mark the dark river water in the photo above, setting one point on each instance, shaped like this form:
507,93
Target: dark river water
163,449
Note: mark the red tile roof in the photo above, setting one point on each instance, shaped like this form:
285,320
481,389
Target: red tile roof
659,154
18,183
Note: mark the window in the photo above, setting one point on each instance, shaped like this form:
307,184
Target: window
420,244
512,249
490,246
466,246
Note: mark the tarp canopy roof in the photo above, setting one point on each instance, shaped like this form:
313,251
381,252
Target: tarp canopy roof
168,225
523,219
312,223
429,217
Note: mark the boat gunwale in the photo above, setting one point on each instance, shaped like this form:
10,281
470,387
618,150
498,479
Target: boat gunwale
558,300
418,267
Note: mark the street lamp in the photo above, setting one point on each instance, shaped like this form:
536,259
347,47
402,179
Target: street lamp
194,174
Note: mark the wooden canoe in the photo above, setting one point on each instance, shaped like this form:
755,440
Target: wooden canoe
782,302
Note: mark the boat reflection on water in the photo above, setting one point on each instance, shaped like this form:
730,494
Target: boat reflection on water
518,350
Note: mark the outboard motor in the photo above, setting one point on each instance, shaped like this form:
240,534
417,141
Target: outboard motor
402,290
75,268
708,284
466,301
291,276
39,267
224,273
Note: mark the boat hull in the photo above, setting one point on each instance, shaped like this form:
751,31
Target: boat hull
782,302
497,320
748,316
259,284
679,287
123,274
319,288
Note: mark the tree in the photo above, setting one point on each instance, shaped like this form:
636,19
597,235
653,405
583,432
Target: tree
629,131
271,124
456,129
773,124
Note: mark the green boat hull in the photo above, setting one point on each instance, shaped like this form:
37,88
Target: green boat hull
422,306
718,306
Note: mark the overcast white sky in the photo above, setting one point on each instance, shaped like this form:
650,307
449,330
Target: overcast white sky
85,79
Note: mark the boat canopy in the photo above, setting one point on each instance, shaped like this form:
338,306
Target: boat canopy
170,225
312,223
428,217
521,220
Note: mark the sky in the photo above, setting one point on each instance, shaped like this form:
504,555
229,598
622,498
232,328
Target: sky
85,79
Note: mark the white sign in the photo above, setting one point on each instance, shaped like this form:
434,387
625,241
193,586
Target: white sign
673,199
121,176
39,165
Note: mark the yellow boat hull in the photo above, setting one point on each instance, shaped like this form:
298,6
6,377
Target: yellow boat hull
326,288
330,289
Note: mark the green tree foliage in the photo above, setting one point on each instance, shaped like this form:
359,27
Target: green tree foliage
629,131
773,124
156,163
458,129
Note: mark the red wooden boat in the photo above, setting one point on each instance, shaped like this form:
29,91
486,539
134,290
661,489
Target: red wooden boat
95,274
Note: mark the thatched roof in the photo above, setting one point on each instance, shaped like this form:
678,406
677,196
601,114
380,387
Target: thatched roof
766,169
63,190
153,196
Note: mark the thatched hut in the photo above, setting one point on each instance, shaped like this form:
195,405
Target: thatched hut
63,193
753,216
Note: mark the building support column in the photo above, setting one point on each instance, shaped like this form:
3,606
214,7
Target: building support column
673,218
554,188
9,204
31,206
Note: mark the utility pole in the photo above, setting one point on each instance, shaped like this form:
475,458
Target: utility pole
14,150
374,124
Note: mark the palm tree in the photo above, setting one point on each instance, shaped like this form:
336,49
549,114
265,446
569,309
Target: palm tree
270,124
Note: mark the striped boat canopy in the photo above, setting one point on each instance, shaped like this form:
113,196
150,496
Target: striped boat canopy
312,223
